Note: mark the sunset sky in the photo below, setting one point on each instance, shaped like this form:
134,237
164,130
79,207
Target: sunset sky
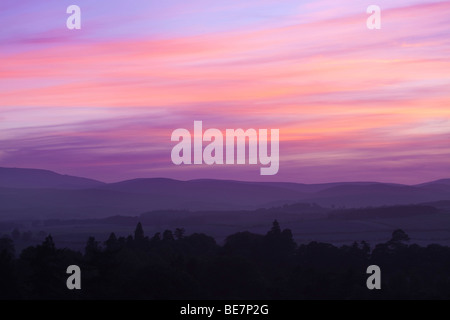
352,104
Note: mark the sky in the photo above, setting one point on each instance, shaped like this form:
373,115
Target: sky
351,104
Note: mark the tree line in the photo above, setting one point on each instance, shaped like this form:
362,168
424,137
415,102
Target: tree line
173,265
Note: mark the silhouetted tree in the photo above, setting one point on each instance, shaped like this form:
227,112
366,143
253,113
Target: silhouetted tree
288,240
43,267
92,249
247,266
276,230
201,244
7,247
48,244
168,235
8,281
399,236
139,232
278,243
156,238
179,233
129,241
365,247
245,244
112,244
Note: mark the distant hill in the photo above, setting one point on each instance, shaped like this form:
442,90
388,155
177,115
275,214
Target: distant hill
219,193
35,178
436,182
312,188
378,194
41,194
442,185
383,212
443,205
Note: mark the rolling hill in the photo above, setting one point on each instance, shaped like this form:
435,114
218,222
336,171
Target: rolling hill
41,194
35,178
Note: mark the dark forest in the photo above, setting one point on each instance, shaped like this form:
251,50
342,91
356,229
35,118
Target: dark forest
174,265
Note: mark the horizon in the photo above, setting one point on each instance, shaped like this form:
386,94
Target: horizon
350,103
231,180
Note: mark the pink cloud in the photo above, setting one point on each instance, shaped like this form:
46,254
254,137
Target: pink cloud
349,101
